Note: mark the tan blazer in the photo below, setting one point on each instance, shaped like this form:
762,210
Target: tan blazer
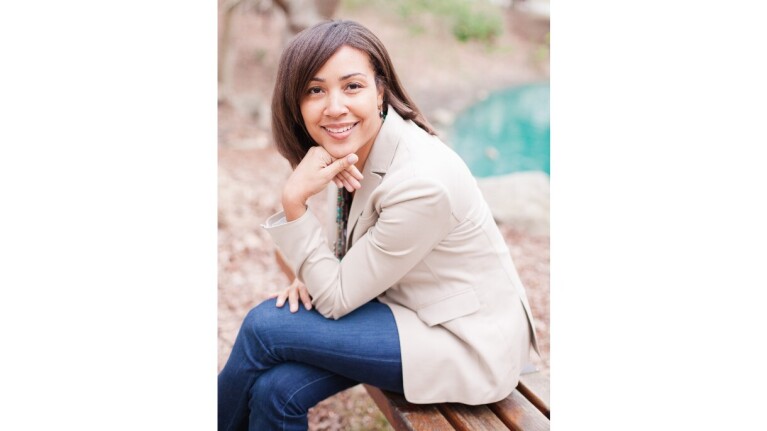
423,241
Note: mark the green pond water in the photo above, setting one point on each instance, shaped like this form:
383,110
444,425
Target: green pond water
506,132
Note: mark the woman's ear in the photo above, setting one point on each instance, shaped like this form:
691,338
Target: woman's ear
380,89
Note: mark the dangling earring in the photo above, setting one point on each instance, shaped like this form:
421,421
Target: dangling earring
381,113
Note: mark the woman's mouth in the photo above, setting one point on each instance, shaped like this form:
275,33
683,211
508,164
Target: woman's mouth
339,131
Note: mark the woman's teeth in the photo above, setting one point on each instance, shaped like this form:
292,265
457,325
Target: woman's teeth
341,130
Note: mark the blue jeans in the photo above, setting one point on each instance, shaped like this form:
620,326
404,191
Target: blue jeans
283,363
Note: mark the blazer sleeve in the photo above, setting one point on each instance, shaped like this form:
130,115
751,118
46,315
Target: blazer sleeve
414,217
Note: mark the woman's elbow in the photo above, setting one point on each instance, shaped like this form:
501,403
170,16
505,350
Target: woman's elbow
332,309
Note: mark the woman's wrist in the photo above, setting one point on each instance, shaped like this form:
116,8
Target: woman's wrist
292,205
293,212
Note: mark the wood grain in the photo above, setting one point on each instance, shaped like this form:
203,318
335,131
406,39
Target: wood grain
535,387
518,413
404,416
471,418
526,409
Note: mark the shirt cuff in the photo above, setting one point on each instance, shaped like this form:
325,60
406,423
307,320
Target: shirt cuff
275,220
296,239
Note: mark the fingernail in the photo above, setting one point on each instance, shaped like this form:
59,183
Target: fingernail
352,158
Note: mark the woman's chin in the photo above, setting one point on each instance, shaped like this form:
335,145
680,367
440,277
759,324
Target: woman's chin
338,153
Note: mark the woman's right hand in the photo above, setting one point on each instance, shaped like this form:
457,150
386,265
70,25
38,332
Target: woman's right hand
349,178
292,294
312,175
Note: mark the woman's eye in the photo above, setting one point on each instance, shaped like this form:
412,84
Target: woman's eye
354,86
314,90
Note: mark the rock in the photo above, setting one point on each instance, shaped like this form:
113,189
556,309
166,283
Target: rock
519,200
492,153
443,117
539,9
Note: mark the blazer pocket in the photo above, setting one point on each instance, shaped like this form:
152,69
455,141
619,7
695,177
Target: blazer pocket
452,307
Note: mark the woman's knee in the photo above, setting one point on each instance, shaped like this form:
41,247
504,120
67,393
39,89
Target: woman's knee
261,317
265,392
274,393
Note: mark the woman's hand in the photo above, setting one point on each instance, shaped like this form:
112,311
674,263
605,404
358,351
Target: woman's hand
349,178
313,174
293,293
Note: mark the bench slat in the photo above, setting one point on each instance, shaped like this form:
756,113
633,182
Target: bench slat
405,416
535,387
471,418
518,413
527,408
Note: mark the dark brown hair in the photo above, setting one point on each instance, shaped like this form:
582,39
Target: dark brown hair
303,57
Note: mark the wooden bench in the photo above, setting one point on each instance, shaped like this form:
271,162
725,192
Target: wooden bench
527,408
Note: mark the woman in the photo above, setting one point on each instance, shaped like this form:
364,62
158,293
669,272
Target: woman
420,297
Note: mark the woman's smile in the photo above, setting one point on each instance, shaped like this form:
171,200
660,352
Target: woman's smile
339,131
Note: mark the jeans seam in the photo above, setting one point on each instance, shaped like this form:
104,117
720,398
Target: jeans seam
366,358
284,405
263,346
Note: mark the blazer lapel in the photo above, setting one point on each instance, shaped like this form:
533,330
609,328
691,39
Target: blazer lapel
378,162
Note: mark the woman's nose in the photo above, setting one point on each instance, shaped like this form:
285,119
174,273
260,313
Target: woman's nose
336,105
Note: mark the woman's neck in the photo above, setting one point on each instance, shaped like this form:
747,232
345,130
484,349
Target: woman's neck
364,151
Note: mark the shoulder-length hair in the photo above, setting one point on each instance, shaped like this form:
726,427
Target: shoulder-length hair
301,60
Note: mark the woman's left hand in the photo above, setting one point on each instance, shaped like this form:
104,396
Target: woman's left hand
292,294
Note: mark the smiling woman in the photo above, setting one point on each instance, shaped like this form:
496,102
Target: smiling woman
343,107
415,294
299,65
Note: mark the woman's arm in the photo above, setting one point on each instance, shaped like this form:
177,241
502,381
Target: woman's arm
284,265
312,175
415,216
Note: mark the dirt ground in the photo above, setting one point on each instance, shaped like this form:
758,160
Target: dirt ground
443,77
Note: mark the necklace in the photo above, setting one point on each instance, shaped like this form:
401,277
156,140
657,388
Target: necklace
343,205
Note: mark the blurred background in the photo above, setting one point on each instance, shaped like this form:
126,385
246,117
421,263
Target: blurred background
479,71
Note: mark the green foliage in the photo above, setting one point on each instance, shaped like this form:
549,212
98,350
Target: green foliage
542,52
468,19
259,55
480,25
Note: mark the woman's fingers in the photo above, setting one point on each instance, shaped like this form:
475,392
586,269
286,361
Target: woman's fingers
344,173
281,298
355,172
297,291
351,180
293,298
304,294
345,183
339,165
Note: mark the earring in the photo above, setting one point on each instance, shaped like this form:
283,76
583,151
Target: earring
381,112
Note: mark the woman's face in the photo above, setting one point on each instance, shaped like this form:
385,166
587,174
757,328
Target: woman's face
341,105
